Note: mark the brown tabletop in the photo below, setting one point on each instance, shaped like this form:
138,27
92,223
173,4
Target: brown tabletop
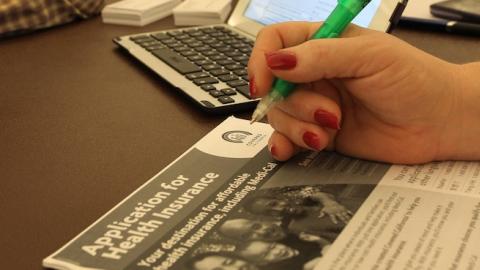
82,125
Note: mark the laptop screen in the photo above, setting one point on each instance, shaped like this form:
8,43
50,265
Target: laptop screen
275,11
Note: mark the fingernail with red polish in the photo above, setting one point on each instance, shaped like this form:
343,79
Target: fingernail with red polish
312,140
281,60
252,88
273,150
327,119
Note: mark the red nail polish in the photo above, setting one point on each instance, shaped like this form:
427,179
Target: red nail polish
273,150
281,60
252,88
312,140
326,119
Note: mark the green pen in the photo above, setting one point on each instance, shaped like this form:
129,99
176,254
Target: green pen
332,27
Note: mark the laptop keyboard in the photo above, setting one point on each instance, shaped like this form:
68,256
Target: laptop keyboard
206,56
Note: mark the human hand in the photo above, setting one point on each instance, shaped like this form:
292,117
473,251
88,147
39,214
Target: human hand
367,95
336,212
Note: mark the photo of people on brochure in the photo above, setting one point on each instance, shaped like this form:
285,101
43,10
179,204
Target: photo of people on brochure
287,227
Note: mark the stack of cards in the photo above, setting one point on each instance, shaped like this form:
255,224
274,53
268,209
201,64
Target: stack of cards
202,12
138,12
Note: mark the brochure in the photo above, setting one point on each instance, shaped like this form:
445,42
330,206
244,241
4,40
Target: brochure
226,204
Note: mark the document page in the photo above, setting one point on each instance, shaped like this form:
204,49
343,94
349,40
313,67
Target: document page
226,204
418,217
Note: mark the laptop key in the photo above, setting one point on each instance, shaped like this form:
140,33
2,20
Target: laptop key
211,67
217,44
195,44
175,45
241,58
240,45
182,49
203,48
203,37
149,43
197,75
182,37
229,91
225,62
194,58
219,72
196,33
228,77
208,87
189,40
225,49
241,72
161,36
237,83
210,53
216,93
210,41
218,57
244,90
234,67
154,47
225,99
225,39
176,61
188,53
206,80
234,53
203,62
246,50
170,40
175,33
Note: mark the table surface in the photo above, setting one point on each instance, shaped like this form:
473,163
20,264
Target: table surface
82,125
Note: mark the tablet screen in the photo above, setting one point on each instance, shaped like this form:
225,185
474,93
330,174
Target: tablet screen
274,11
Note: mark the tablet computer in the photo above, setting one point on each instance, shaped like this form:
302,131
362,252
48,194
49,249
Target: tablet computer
251,15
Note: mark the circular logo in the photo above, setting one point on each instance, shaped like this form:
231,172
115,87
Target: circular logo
236,136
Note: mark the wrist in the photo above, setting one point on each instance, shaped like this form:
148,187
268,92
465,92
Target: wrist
464,125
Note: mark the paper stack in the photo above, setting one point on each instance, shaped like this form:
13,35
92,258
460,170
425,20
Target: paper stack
202,12
138,12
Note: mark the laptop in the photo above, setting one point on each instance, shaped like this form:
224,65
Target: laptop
208,64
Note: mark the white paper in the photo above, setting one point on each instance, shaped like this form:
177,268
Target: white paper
138,5
199,6
138,12
419,217
399,217
419,9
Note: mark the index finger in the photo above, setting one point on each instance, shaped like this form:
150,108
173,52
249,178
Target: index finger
279,36
270,39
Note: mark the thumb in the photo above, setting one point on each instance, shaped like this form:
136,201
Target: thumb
350,57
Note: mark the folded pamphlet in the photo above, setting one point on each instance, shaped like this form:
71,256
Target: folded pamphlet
225,201
202,12
138,12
